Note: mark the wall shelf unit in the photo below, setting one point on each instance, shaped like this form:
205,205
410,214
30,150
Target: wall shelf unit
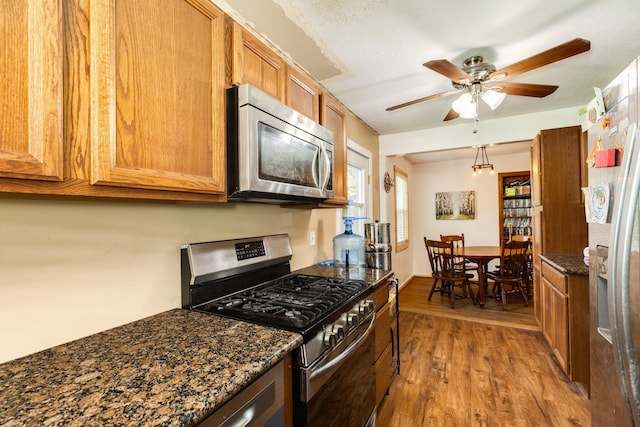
514,199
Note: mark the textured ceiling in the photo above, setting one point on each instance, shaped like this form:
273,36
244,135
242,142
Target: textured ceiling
369,53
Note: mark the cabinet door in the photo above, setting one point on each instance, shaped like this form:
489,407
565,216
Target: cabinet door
382,332
559,308
555,326
254,63
333,117
383,374
537,296
302,94
157,95
31,90
548,319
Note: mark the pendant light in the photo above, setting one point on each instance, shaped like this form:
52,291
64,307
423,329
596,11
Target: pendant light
484,159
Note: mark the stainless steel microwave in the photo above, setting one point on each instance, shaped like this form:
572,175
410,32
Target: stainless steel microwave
274,153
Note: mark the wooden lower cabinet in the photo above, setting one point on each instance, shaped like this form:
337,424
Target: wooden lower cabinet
383,380
555,322
383,350
565,321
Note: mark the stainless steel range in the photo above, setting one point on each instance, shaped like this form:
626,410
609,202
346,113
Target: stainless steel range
250,279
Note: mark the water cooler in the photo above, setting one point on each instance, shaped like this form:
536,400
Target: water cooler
377,245
349,247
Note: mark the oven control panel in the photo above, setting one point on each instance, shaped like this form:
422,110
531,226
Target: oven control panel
247,250
339,332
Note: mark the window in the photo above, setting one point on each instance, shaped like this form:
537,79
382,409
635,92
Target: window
358,186
401,208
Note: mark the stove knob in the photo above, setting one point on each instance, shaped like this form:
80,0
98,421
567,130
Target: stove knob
362,309
339,331
352,319
366,307
330,338
371,305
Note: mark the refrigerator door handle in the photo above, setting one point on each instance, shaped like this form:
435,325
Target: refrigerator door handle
623,243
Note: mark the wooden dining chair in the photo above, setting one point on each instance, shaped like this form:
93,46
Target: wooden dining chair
513,263
460,262
528,274
441,261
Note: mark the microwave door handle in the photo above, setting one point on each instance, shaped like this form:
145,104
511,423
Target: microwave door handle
316,168
326,170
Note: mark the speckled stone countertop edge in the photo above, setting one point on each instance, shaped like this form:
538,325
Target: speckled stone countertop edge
170,369
374,277
568,264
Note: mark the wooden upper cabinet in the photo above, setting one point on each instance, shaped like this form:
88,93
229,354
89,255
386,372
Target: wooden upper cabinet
254,63
31,90
157,95
333,117
302,94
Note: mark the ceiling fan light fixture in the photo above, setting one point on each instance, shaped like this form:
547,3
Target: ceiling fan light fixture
465,106
493,98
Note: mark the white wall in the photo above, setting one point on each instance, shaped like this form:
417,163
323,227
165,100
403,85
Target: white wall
507,129
72,268
402,261
430,178
426,180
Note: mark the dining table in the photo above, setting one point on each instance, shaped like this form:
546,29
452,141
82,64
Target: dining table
481,255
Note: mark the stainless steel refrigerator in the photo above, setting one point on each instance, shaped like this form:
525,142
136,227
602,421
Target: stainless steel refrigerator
613,210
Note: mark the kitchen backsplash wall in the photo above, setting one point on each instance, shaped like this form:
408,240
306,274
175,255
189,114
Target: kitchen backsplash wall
72,268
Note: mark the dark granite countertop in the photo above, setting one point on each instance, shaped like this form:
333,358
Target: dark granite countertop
171,369
374,277
568,264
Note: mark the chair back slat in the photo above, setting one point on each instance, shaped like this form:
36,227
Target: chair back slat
440,255
513,261
456,239
458,243
445,272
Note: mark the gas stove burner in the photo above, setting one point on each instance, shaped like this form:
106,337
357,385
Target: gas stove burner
293,302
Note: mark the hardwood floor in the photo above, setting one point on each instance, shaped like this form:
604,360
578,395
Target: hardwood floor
471,371
414,298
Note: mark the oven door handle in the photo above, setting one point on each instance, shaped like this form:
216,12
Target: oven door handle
347,351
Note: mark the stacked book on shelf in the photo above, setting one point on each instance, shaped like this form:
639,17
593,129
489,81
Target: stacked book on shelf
517,188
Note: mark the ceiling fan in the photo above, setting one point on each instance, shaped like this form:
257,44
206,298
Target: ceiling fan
480,80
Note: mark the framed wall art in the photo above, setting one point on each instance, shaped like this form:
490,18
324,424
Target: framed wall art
456,205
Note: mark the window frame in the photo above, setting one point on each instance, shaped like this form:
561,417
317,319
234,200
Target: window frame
367,207
401,213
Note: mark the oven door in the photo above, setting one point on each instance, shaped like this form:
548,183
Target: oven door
339,390
280,159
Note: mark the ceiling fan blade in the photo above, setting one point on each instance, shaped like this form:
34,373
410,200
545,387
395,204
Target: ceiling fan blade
448,69
426,98
451,115
525,89
554,54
